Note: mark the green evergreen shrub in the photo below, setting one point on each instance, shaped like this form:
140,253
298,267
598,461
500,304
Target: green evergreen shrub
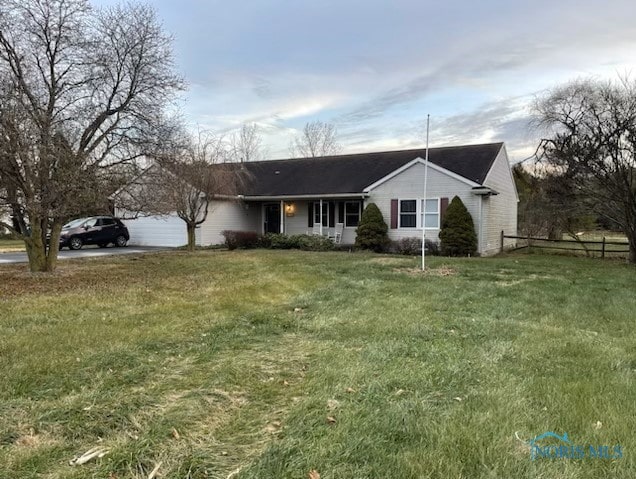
372,230
457,235
303,242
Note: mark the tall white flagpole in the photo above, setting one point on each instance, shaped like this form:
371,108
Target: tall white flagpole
428,119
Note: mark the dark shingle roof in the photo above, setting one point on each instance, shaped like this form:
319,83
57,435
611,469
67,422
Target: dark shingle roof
353,173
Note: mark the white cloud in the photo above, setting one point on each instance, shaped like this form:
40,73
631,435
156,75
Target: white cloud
376,71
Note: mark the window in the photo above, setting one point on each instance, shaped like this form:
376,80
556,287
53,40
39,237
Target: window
430,214
408,213
351,214
325,213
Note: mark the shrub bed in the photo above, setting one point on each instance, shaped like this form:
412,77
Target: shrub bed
250,239
303,242
241,239
413,247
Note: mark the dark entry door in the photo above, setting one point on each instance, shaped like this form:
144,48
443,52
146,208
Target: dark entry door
272,218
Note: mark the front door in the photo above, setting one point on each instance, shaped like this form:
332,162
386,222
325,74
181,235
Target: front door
271,216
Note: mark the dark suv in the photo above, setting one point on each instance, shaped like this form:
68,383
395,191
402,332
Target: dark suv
99,230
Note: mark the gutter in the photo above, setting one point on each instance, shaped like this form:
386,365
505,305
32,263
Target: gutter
303,197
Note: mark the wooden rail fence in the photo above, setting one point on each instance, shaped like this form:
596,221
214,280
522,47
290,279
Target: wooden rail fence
596,246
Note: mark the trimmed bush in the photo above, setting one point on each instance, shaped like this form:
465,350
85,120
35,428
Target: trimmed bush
315,243
241,239
413,247
372,230
277,241
303,242
457,235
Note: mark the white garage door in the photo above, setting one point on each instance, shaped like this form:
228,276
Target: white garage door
157,231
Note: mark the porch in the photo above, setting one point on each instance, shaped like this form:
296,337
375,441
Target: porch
310,215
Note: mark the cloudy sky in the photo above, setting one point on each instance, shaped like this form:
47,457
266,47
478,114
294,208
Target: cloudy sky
376,68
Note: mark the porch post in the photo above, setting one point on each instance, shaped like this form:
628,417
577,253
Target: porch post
282,216
320,216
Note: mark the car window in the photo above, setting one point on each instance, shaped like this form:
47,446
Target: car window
108,221
74,223
90,222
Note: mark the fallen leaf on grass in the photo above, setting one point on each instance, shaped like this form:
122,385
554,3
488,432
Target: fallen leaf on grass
331,420
313,474
598,425
273,427
98,452
350,390
175,434
234,473
155,471
458,399
333,404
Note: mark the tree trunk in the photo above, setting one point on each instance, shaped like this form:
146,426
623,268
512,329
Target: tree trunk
191,236
36,254
43,257
36,248
632,249
54,246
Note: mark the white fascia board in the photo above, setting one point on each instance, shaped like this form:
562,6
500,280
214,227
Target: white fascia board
420,161
304,197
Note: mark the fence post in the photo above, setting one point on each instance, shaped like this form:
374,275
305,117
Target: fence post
501,248
603,249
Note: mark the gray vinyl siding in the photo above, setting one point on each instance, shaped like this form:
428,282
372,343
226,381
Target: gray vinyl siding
228,215
500,211
409,184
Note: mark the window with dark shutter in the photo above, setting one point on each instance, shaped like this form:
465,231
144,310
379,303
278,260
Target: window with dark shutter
408,213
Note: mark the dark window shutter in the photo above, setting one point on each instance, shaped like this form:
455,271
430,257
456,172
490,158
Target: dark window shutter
310,215
394,214
332,214
341,214
443,204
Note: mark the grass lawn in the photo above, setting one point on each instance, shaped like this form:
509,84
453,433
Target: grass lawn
277,363
10,245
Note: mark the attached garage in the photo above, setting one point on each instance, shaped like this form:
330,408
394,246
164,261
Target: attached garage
157,231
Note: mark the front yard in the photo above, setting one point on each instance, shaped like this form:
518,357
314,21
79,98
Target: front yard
11,245
274,364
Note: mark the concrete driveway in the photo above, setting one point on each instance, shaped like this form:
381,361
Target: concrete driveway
86,252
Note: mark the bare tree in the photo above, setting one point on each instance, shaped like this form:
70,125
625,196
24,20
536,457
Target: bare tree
247,144
548,206
316,139
188,175
80,89
591,145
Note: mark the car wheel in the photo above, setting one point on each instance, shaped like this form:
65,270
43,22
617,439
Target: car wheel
120,241
75,243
